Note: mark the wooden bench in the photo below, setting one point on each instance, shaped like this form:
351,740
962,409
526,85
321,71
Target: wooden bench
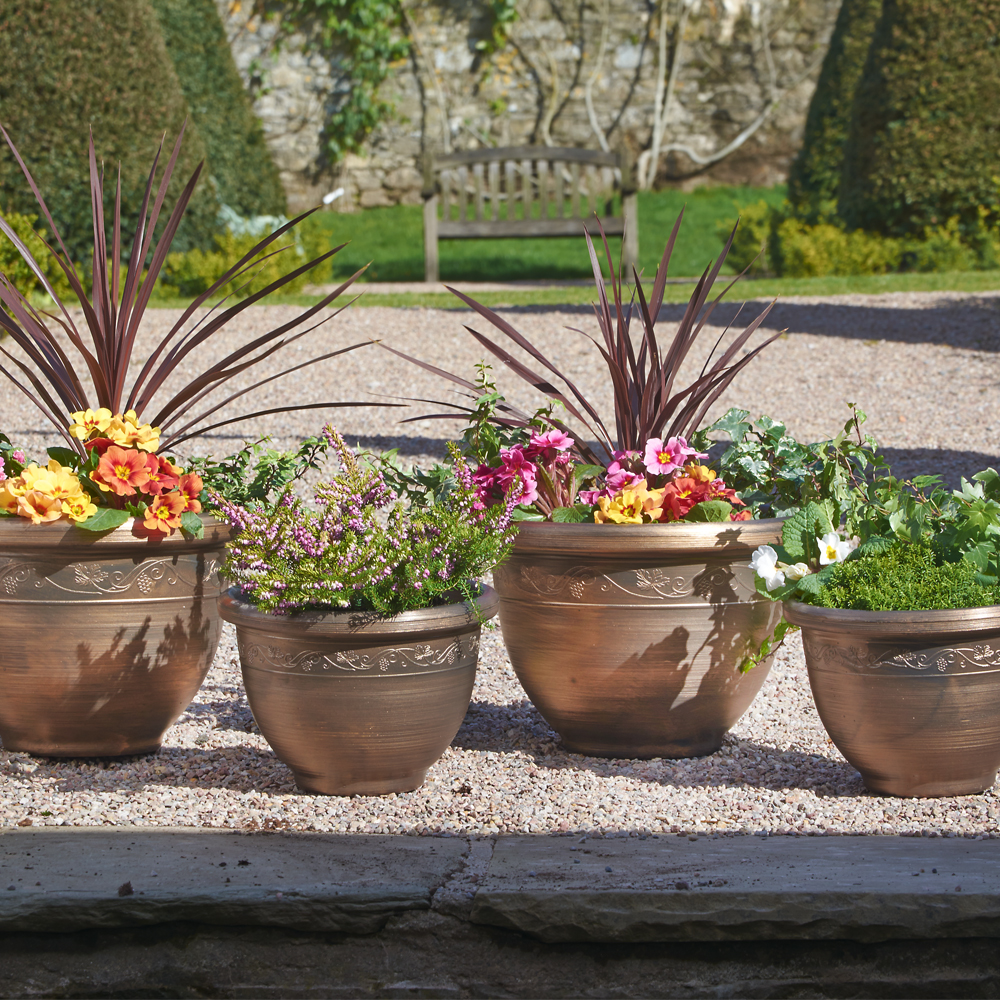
525,191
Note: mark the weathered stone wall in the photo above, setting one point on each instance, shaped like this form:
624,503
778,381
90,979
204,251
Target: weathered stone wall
736,58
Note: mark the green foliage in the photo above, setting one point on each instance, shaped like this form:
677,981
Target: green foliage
770,645
904,578
926,120
795,248
257,473
814,178
363,38
239,162
99,64
503,14
13,265
195,271
774,474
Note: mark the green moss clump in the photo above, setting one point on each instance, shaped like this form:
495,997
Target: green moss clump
238,158
904,578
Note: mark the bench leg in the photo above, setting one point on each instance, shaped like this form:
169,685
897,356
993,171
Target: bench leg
630,211
431,238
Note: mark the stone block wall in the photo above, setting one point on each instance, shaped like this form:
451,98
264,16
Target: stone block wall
573,72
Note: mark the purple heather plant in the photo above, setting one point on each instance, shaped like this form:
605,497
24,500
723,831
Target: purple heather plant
360,547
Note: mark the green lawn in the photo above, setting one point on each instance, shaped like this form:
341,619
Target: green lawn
393,239
951,281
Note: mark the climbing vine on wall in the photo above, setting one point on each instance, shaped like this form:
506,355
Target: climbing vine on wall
363,36
503,14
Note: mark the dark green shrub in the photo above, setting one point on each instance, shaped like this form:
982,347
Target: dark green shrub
67,67
238,158
815,175
922,147
904,577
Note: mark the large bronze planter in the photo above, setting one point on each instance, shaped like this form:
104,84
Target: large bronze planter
358,705
910,698
104,639
628,638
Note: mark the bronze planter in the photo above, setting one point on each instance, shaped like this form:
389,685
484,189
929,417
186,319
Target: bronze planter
628,638
104,639
910,698
354,704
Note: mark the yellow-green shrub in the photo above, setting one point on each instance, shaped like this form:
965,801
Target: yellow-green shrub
14,266
189,274
749,249
813,251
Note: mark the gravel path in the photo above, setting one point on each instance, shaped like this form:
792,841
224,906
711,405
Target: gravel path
924,366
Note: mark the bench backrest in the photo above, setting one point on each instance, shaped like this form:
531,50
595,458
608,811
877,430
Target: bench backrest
524,191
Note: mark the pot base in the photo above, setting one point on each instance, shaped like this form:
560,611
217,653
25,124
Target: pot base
327,784
622,750
81,751
907,787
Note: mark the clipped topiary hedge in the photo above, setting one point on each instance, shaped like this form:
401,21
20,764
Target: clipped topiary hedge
814,178
100,63
238,158
925,131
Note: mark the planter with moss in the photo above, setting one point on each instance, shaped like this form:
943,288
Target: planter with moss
910,698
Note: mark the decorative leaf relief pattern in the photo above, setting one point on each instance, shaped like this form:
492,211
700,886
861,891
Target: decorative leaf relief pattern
388,660
101,578
649,584
983,656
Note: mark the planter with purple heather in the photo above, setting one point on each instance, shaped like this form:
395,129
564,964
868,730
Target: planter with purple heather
358,619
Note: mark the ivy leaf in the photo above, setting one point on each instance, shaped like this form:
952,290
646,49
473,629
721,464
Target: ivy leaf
106,519
734,423
768,646
191,524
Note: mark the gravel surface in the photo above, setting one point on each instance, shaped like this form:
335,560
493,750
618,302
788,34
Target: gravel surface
924,366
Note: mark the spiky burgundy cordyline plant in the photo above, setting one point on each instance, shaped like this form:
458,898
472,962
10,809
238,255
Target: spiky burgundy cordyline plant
114,314
648,404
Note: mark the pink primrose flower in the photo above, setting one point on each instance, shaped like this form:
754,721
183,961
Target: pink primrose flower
663,458
516,466
18,456
547,445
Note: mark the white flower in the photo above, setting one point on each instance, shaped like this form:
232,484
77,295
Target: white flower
764,562
834,549
795,572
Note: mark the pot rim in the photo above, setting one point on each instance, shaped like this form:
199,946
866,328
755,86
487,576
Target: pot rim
639,539
443,618
887,624
18,534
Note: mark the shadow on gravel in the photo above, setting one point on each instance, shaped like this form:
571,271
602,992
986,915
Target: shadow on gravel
971,322
950,465
526,731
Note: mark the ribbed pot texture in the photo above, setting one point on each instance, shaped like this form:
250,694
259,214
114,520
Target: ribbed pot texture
910,698
628,638
104,639
355,704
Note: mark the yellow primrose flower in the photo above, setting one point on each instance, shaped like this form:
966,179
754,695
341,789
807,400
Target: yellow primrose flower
54,481
79,507
634,504
146,438
89,423
8,500
39,507
700,473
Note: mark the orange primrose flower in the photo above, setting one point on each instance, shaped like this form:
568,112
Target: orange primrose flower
163,476
164,513
39,507
189,488
121,471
